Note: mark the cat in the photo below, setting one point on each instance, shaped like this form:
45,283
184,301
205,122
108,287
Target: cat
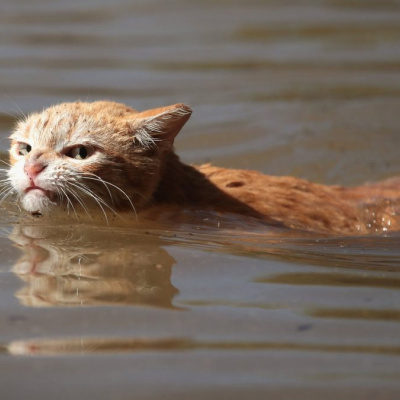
76,156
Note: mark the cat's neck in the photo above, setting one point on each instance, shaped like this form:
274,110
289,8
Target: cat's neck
183,185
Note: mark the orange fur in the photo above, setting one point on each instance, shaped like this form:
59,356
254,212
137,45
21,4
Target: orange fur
134,162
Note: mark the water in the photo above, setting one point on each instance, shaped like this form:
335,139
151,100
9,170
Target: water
210,305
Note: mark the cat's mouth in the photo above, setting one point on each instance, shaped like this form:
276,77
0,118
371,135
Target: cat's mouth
39,201
40,191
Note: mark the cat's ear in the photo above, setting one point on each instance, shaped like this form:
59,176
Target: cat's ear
161,125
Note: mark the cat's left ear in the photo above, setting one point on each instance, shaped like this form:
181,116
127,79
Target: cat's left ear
161,125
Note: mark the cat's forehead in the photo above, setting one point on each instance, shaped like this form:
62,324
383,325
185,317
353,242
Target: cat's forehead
68,123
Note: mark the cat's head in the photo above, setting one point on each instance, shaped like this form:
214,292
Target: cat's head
102,154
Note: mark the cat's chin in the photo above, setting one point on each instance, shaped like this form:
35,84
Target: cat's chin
39,202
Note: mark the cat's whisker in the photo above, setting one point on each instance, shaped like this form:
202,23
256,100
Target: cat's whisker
6,163
5,189
7,193
88,191
19,109
69,202
5,181
15,104
10,114
96,197
99,201
96,200
14,116
5,186
97,178
63,189
60,196
80,201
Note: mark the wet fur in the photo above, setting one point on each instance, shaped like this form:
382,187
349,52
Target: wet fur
135,169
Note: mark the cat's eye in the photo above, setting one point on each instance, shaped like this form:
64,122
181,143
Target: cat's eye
24,149
80,152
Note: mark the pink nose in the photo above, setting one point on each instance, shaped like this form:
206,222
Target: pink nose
33,170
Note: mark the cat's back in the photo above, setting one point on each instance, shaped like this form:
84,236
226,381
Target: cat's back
298,203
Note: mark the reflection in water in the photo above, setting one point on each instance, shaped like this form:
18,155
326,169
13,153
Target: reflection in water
85,265
66,266
102,345
89,268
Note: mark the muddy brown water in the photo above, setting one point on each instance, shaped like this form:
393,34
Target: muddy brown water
208,306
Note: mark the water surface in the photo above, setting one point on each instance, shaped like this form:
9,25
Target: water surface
206,305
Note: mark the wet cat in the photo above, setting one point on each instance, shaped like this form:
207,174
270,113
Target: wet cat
77,156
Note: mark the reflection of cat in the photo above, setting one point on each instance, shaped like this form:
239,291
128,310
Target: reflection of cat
90,270
76,155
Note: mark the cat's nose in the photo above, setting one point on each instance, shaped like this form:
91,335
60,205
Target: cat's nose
34,169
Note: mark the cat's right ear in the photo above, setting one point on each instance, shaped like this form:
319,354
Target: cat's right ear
160,126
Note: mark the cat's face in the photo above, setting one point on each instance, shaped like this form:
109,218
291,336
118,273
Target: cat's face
83,155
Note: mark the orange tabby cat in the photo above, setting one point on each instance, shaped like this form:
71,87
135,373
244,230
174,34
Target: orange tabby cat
76,155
